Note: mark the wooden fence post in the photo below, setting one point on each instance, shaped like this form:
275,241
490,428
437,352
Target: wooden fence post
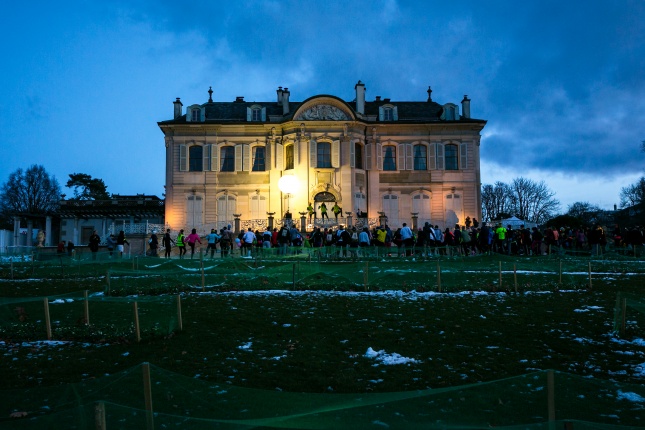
366,274
293,276
438,277
201,263
590,275
550,383
87,308
623,322
500,274
11,260
137,328
560,271
48,322
99,416
107,279
515,276
180,322
147,395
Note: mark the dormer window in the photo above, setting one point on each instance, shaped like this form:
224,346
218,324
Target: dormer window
195,113
194,117
388,113
256,113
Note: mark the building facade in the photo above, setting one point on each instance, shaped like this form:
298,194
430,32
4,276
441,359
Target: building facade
383,160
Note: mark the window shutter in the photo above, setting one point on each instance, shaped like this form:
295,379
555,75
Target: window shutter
432,156
264,114
189,115
401,153
463,156
335,154
206,156
214,157
440,150
183,163
313,153
238,158
380,113
368,156
249,114
267,157
395,113
202,114
246,158
279,156
379,156
352,153
409,158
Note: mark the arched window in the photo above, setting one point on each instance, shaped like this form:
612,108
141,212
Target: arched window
420,157
259,159
288,157
358,155
389,157
452,157
195,158
324,154
421,206
227,157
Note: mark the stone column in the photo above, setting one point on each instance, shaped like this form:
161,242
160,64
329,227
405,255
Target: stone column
48,231
415,220
270,220
303,221
381,218
237,223
349,219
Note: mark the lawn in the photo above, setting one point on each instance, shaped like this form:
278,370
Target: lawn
329,331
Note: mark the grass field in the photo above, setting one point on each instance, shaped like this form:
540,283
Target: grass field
334,330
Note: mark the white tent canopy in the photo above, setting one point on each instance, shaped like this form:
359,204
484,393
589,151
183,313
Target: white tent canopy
515,222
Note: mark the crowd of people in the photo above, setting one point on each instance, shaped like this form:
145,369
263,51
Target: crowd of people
426,241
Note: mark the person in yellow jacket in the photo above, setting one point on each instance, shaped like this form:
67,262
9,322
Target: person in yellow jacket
500,237
181,243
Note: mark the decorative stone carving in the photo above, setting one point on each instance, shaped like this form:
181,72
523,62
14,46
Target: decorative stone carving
323,112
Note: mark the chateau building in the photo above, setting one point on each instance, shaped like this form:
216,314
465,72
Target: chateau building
385,160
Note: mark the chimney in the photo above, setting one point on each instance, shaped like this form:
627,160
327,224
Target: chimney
279,91
465,107
239,99
360,97
378,99
429,93
386,100
177,103
285,101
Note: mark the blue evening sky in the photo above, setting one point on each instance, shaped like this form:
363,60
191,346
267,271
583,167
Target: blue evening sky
562,84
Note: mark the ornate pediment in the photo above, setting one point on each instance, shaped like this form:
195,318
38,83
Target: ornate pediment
323,112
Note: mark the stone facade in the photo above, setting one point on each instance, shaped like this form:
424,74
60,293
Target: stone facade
381,158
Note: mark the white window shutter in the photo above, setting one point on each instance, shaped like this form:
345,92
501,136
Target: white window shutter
279,156
267,157
440,152
352,153
238,158
379,156
202,114
183,162
264,114
368,156
395,113
380,113
463,156
189,115
246,158
249,114
335,154
206,157
401,153
313,154
215,157
432,156
409,158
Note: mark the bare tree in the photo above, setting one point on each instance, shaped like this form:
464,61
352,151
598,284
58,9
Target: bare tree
533,201
633,194
496,200
585,212
32,191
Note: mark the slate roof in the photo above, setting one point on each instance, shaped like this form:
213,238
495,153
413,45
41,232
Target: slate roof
235,112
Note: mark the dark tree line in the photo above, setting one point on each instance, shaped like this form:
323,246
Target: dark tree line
526,199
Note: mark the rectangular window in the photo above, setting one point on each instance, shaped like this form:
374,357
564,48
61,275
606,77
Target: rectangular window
451,157
358,155
387,114
420,157
195,115
256,114
195,161
389,158
227,159
288,157
324,154
259,159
